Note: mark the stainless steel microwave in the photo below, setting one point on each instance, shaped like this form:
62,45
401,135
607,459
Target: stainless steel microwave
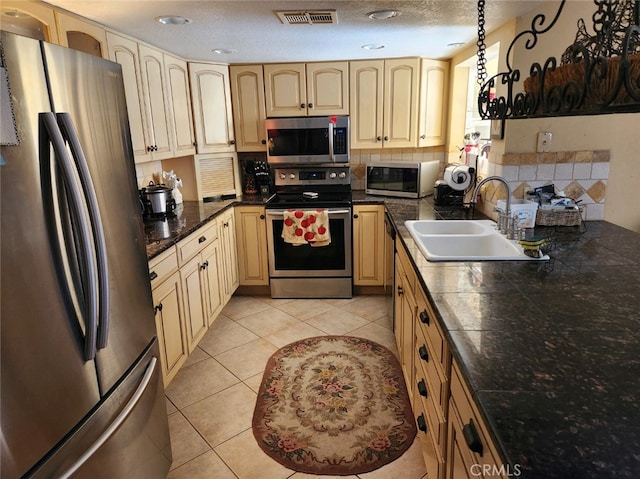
406,180
308,140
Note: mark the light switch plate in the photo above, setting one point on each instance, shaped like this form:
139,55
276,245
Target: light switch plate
544,142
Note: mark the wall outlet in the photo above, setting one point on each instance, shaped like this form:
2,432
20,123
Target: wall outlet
544,142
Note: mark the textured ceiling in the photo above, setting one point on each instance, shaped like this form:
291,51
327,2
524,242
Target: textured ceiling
424,28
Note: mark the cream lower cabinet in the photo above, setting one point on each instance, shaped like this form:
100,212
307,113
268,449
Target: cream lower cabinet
454,440
251,235
368,245
470,452
199,273
227,234
169,313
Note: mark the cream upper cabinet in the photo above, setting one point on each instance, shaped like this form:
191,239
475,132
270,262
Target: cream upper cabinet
249,112
179,98
81,35
31,19
155,99
125,52
434,85
312,89
251,235
328,88
368,245
384,103
211,100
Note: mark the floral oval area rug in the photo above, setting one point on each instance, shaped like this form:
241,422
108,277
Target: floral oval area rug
333,405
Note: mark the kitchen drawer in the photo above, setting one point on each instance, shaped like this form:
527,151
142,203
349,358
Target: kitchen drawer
432,458
161,267
429,326
464,408
196,241
438,382
433,413
403,258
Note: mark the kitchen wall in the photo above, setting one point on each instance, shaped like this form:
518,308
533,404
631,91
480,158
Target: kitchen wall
581,137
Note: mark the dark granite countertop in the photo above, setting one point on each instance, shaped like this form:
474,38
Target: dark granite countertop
550,350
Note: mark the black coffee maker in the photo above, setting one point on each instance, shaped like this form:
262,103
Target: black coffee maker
262,174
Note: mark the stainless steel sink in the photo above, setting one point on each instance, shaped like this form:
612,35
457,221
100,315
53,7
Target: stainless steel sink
464,240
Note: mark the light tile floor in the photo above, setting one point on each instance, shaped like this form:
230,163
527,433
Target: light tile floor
211,400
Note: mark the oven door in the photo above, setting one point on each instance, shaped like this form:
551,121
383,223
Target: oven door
305,261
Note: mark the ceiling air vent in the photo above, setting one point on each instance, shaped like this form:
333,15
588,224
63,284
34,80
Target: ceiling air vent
318,17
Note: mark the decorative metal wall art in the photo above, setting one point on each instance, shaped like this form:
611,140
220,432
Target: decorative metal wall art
598,74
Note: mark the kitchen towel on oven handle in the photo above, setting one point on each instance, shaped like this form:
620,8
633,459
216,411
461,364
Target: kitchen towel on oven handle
306,227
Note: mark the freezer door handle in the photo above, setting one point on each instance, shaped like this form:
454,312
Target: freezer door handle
50,134
91,199
117,422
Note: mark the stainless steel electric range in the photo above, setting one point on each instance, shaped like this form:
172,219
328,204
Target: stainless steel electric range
310,269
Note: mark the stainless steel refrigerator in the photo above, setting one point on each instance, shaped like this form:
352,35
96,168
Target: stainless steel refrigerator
81,392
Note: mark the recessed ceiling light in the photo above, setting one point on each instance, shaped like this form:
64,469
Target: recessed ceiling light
383,14
173,20
373,46
224,51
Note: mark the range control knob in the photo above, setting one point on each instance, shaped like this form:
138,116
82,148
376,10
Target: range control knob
332,175
342,174
292,176
282,176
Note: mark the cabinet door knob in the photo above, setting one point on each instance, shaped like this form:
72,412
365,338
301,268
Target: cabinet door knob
424,355
422,424
157,308
203,267
232,142
386,138
264,142
424,317
422,388
378,138
472,438
202,239
400,291
261,217
302,106
422,137
355,217
310,105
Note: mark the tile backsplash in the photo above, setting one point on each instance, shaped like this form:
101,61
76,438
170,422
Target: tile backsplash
360,158
581,175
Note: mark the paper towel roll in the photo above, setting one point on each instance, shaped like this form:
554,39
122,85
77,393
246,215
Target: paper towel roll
458,177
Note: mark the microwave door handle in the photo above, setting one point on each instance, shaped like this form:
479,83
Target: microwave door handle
332,157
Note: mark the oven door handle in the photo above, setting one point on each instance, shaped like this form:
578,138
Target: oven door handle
329,212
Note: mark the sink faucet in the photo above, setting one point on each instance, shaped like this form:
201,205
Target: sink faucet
507,219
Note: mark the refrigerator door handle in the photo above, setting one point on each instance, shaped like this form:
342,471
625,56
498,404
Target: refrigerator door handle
70,134
109,431
52,134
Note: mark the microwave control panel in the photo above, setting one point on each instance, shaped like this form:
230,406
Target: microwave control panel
340,141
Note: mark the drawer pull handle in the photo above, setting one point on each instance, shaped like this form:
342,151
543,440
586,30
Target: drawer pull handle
424,317
472,438
202,239
153,275
400,291
422,388
422,424
424,354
